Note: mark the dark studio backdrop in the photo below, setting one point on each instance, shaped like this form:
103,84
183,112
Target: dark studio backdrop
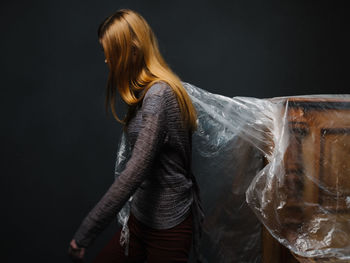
58,146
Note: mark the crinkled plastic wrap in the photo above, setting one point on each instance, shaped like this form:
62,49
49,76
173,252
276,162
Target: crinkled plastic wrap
123,155
281,162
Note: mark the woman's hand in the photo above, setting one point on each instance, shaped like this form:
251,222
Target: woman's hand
76,253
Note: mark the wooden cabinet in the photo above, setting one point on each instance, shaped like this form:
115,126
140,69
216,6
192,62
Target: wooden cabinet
317,177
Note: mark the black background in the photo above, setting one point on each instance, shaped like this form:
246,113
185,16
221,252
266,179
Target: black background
58,145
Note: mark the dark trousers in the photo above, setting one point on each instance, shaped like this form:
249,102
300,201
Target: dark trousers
151,245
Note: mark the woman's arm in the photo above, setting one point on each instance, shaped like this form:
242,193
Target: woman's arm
147,146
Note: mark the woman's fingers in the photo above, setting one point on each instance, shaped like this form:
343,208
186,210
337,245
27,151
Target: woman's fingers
76,253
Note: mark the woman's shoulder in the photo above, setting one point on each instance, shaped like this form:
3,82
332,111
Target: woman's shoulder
157,97
159,88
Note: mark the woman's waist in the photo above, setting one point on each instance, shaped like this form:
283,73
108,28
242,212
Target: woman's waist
161,218
160,195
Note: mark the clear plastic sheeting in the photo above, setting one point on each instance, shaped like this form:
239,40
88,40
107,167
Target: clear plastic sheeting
281,162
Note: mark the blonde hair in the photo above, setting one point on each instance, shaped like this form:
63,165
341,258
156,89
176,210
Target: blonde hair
135,63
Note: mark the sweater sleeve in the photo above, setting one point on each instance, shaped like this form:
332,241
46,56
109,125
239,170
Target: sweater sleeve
146,148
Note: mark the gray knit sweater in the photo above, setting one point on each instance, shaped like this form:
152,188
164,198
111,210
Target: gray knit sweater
156,173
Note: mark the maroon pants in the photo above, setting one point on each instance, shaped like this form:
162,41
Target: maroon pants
153,245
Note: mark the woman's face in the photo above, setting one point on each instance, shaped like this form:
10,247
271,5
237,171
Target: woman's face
133,54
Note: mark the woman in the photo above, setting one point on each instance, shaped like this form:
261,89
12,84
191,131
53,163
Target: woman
165,209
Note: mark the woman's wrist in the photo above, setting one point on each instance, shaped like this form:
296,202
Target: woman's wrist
78,243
